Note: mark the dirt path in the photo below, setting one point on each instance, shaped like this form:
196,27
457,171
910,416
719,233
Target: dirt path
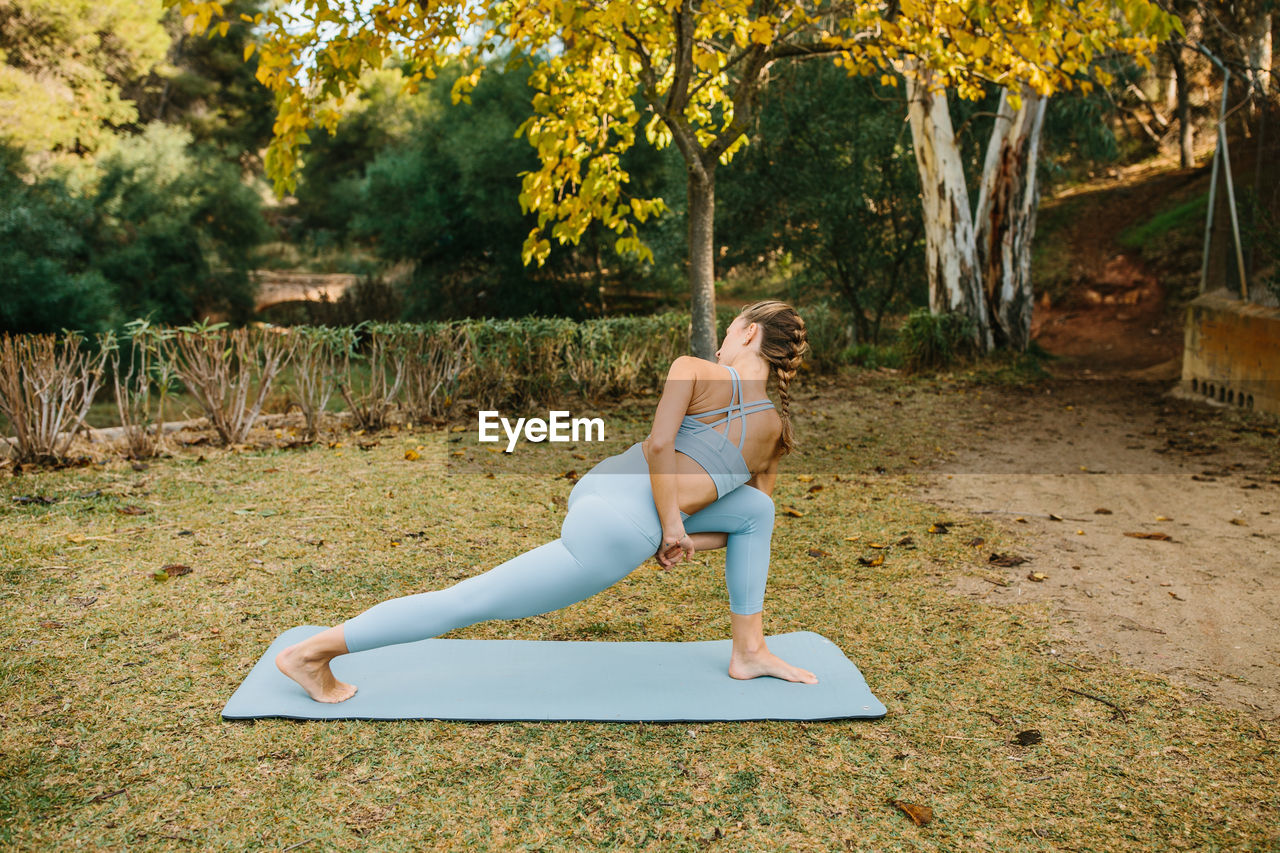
1201,607
1118,316
1103,448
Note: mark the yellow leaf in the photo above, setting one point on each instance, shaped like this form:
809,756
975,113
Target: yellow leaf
411,455
248,50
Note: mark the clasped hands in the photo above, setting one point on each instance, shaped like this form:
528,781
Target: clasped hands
676,546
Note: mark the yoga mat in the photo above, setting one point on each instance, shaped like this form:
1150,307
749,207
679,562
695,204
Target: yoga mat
559,680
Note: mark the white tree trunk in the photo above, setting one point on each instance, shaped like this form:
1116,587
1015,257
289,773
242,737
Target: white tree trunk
1259,53
950,251
1005,220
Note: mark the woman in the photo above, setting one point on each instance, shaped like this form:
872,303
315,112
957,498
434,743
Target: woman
701,480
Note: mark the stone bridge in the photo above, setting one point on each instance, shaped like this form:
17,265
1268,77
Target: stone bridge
277,286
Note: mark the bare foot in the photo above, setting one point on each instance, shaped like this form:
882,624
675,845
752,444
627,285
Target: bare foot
766,662
314,675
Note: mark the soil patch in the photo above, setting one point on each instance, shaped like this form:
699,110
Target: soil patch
1073,469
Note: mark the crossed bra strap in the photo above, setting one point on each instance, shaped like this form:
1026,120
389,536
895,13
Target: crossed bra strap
742,409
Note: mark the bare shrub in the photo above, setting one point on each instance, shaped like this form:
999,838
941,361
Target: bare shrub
436,357
142,387
372,398
47,384
319,353
220,368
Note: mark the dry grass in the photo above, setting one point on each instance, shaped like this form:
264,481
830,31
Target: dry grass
112,681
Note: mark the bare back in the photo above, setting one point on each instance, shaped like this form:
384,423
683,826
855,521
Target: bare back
712,390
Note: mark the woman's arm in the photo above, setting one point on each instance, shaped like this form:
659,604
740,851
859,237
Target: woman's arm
668,556
676,394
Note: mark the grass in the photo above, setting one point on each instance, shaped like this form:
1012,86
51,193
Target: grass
1187,216
113,681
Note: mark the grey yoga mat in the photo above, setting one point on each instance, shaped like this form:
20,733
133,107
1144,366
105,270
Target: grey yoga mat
556,680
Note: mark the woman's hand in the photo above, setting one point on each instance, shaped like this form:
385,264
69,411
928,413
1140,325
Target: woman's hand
676,546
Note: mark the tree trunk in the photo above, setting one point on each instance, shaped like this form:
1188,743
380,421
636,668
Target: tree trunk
1259,53
1186,130
702,262
1006,218
951,258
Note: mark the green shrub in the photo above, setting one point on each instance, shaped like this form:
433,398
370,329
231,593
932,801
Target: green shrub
173,229
47,280
931,341
872,356
829,335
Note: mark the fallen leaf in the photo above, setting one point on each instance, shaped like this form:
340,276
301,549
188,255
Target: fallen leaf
570,475
878,560
175,569
412,455
854,538
876,545
1020,518
1030,737
32,499
1239,522
1054,517
1173,594
1163,518
1102,510
793,512
940,527
1162,537
132,509
816,488
976,542
905,541
580,456
1038,577
818,552
920,815
805,478
1006,560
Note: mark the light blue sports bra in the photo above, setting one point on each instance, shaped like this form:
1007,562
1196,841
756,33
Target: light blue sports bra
713,450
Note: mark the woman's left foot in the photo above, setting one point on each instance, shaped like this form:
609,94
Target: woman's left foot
767,663
314,675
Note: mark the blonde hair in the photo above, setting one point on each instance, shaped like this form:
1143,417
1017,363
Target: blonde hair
783,343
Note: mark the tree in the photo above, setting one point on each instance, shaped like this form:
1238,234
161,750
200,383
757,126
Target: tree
978,263
62,65
828,185
46,265
206,86
678,73
173,229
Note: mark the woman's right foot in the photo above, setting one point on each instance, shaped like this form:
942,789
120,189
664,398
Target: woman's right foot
314,675
766,662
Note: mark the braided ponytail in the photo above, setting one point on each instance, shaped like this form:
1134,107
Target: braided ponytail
782,344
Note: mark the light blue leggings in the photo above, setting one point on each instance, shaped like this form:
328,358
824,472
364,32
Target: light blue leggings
611,527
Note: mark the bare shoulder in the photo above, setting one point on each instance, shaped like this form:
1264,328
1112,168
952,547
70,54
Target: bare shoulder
691,367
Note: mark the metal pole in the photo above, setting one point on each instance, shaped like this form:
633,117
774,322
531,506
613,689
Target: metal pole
1231,193
1208,221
